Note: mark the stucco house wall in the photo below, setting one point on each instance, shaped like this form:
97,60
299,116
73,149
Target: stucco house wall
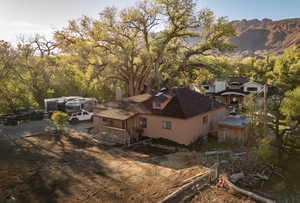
220,86
216,86
183,131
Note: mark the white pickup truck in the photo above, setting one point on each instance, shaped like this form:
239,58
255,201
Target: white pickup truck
81,116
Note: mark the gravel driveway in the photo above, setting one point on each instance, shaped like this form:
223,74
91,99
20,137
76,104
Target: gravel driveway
35,127
24,129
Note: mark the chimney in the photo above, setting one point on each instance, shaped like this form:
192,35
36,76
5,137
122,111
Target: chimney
119,94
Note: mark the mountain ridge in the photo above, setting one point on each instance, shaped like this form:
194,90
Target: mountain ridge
260,37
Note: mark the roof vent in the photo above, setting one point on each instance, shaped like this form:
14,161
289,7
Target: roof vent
164,89
159,94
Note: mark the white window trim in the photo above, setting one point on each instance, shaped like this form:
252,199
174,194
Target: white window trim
164,125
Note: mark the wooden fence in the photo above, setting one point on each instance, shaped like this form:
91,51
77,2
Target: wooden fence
197,183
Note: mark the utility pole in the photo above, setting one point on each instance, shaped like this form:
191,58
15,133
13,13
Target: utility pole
265,108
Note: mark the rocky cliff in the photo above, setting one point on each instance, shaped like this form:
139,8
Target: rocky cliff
257,37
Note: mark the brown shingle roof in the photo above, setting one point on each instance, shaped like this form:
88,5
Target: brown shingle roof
118,114
182,103
188,103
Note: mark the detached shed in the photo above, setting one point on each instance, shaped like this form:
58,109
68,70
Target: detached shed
234,129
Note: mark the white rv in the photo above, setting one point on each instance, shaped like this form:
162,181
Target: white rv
70,104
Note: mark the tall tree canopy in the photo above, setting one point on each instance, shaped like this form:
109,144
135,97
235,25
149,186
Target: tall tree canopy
138,44
155,44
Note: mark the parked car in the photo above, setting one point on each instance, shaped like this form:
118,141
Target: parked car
21,115
80,116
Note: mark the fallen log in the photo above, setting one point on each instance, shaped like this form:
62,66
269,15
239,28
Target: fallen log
237,176
247,193
224,162
263,177
218,152
240,154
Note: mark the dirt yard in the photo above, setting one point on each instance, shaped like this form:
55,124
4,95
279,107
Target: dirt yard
75,169
214,195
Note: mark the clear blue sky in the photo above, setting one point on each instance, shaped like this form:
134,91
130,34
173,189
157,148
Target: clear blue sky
44,16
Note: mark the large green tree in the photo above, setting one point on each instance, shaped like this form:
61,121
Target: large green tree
11,92
138,44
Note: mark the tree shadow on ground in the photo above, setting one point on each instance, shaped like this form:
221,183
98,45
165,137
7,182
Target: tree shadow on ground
78,168
54,165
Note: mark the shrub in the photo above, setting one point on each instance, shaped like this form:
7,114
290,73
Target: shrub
265,152
60,119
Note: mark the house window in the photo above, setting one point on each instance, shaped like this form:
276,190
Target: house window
167,125
235,84
143,122
205,120
252,89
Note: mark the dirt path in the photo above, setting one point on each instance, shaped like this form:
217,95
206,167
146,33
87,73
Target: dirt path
24,129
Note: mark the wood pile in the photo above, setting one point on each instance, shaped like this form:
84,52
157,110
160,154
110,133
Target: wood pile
245,172
246,192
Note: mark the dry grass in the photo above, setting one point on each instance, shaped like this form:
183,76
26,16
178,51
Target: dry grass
215,195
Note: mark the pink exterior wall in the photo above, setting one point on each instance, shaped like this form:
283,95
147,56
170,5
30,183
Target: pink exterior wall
184,131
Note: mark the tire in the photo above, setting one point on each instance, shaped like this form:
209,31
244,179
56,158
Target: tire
74,121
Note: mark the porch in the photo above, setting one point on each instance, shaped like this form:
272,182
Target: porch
233,99
117,126
118,135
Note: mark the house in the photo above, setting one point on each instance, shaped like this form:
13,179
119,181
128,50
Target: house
214,86
237,89
180,115
234,129
233,91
